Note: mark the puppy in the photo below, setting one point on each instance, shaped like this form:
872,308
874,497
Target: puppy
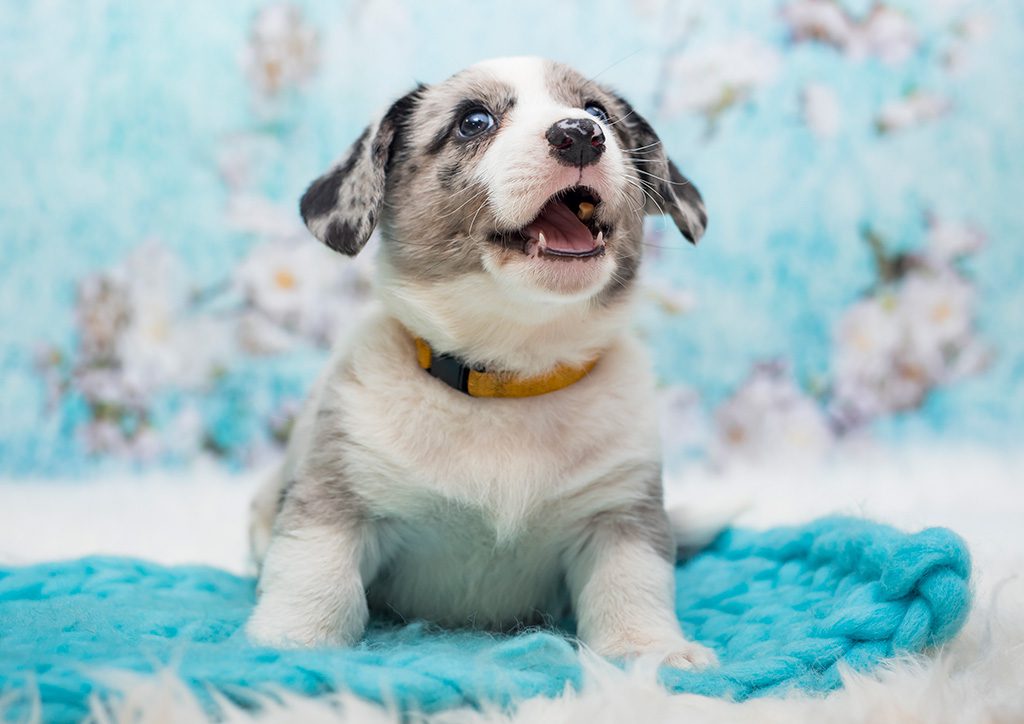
484,451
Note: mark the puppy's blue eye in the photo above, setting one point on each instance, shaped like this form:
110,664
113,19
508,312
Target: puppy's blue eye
474,123
597,112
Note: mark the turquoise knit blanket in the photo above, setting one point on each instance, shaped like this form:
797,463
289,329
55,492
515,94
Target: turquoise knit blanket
782,608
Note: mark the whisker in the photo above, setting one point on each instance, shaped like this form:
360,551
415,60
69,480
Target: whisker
653,189
629,200
620,119
622,60
646,183
618,278
473,221
640,183
662,246
663,180
643,187
641,148
464,203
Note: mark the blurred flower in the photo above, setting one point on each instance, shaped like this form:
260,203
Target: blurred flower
712,79
105,436
282,51
259,334
873,375
299,287
885,33
770,417
947,241
912,334
163,343
125,435
137,337
107,386
823,21
937,309
145,337
967,32
867,337
911,110
102,311
821,109
126,323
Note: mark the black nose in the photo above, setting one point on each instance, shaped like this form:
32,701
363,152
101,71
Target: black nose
576,141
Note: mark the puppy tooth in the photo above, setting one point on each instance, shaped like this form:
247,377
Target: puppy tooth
542,241
600,238
585,212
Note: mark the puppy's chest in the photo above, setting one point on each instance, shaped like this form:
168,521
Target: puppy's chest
418,442
454,567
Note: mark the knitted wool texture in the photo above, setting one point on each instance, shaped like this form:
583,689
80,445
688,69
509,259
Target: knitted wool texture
782,608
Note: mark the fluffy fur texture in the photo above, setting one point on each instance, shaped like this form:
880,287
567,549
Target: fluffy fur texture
401,493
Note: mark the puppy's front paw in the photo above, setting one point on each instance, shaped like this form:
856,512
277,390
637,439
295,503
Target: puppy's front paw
674,651
691,655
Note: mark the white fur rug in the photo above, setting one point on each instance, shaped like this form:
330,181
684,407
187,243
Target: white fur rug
200,517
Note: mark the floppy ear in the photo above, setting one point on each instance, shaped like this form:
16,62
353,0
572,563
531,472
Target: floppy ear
342,207
670,192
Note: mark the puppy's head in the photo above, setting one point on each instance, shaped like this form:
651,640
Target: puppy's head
520,170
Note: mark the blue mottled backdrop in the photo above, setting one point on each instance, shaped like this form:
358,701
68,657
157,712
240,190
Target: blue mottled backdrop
861,162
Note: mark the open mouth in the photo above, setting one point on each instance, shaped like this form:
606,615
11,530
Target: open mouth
565,228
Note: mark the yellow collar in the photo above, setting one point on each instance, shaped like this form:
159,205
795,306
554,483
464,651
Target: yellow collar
477,382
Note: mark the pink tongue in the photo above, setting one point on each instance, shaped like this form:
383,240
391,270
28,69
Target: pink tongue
562,230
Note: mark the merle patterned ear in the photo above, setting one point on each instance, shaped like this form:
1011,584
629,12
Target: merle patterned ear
342,207
669,191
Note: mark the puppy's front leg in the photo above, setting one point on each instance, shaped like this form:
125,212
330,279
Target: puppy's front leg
623,591
312,590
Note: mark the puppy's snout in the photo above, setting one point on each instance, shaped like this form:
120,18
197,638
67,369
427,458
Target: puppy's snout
576,141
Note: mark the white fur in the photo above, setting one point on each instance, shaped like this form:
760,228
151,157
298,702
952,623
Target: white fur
489,490
520,176
517,168
296,609
501,324
626,601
